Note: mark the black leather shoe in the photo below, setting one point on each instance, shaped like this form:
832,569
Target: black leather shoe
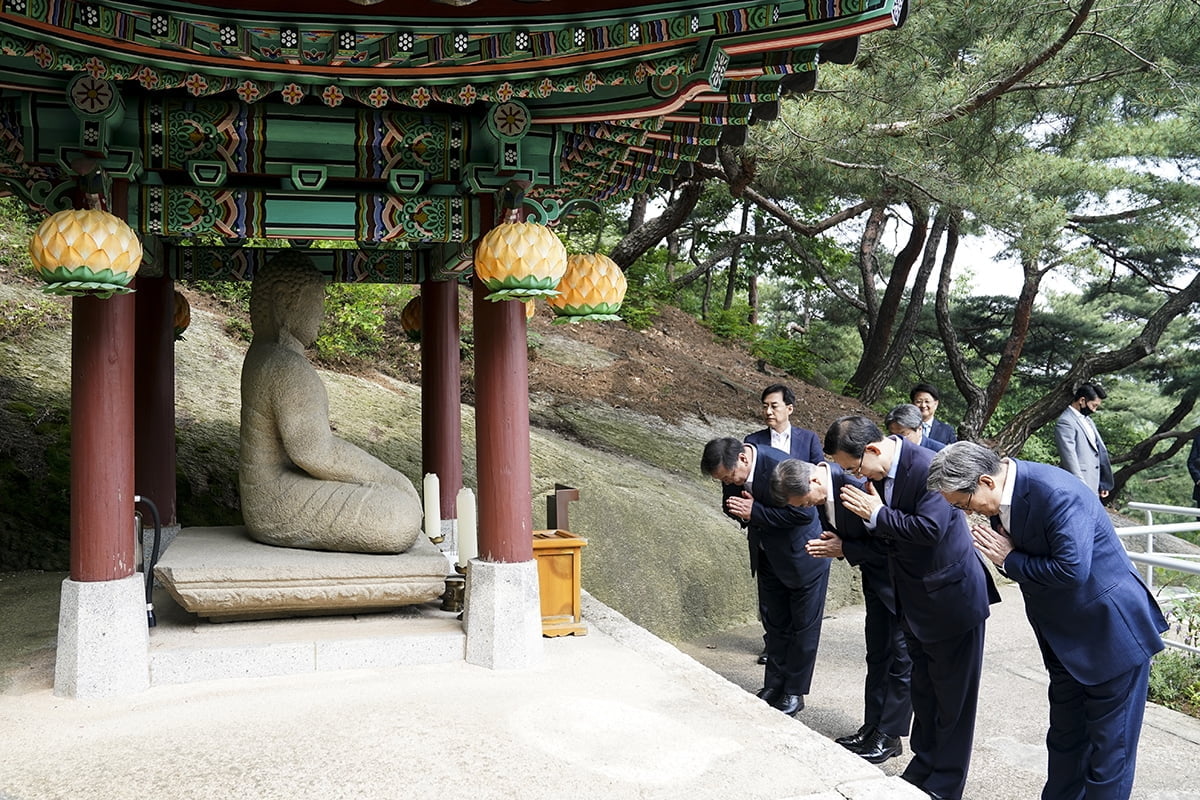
879,747
789,703
855,740
762,657
768,694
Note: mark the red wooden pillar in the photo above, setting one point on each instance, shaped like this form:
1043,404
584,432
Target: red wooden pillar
154,403
502,429
102,436
441,395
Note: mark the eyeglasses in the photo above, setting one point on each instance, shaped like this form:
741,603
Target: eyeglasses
964,505
858,470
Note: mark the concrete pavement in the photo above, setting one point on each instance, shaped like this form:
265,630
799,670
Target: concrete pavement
616,714
1009,758
613,715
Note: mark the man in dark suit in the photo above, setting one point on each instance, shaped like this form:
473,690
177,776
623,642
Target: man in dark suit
926,398
942,594
778,402
1096,623
1193,467
887,708
791,584
905,420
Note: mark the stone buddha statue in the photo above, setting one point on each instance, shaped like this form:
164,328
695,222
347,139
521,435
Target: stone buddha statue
302,486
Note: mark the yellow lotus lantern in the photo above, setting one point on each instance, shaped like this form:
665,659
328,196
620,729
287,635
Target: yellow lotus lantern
183,314
410,319
83,252
530,309
520,260
593,289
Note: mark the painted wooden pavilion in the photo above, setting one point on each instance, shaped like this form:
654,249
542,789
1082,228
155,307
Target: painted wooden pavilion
223,130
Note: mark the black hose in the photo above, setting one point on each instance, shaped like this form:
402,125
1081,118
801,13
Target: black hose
148,567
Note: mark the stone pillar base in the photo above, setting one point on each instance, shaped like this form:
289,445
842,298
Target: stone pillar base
103,639
502,615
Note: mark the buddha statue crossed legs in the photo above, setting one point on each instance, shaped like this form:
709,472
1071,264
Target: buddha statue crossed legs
302,486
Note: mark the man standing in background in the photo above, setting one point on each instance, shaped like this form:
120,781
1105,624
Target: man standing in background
926,398
1193,465
778,403
1080,448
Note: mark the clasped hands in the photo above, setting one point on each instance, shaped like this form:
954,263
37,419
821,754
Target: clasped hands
828,546
994,545
859,503
740,506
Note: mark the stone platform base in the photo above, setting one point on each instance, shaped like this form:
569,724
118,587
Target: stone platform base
222,574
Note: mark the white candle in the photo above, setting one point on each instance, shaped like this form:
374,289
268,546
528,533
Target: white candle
468,546
433,506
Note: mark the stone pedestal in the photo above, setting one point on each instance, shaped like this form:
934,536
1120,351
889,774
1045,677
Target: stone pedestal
103,639
502,616
222,574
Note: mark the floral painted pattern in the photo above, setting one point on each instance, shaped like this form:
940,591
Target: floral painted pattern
292,94
333,96
196,84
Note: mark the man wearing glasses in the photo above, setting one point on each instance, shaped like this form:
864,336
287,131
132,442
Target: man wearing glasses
942,594
1094,619
791,583
887,709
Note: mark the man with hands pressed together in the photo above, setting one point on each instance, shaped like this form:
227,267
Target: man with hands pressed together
887,709
1096,623
791,584
942,594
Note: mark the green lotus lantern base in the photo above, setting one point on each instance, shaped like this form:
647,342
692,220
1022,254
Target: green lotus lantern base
521,288
600,312
83,282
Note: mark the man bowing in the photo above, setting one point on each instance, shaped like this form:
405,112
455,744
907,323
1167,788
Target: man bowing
1095,621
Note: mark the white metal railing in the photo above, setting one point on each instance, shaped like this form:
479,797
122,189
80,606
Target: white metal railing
1186,563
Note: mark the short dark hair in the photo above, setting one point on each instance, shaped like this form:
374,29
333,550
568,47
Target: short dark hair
1089,391
791,478
851,435
906,415
721,452
789,397
927,388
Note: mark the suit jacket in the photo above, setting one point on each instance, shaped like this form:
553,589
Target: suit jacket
1078,455
933,444
1082,596
1106,482
942,588
1193,465
868,553
942,432
779,532
805,444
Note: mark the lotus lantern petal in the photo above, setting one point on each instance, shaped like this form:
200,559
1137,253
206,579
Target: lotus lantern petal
410,319
593,288
82,252
183,314
520,260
